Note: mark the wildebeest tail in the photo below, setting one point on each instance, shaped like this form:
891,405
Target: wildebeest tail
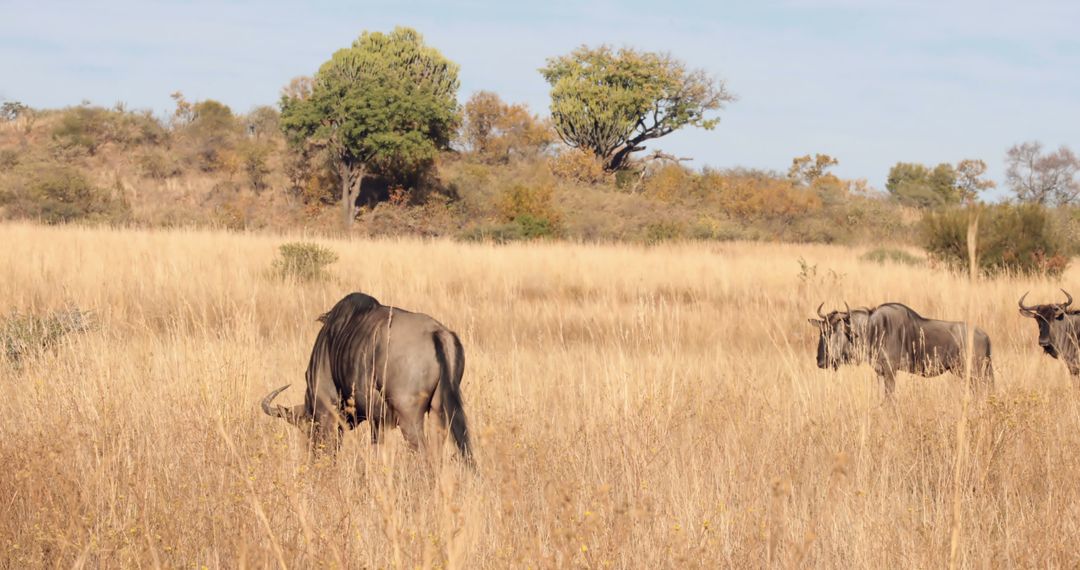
449,386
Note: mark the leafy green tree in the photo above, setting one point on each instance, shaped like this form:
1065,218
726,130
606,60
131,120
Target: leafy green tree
917,185
610,102
387,103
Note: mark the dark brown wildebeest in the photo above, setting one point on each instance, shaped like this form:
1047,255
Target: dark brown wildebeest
836,331
1059,330
382,364
892,337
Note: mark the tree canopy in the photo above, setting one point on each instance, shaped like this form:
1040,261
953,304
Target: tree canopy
610,102
918,185
1043,178
387,103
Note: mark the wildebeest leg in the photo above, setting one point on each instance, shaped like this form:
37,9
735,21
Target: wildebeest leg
888,380
887,374
412,427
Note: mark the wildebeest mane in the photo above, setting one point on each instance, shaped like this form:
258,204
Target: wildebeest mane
902,306
353,305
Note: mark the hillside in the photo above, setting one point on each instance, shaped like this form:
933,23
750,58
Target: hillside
208,167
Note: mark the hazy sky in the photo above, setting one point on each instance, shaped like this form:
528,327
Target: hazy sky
871,83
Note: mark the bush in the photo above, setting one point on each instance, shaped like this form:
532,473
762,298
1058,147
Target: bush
22,336
523,228
580,166
86,128
658,232
1011,239
884,254
303,261
9,159
157,165
60,194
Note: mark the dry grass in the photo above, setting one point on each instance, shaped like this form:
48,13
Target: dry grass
632,408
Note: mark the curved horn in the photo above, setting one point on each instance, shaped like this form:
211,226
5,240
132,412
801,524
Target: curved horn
276,411
847,309
819,310
1069,302
1025,308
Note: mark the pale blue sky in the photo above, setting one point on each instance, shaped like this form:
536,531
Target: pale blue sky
871,83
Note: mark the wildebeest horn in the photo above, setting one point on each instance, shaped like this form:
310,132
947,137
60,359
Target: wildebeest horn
1025,308
819,310
1069,302
276,411
847,309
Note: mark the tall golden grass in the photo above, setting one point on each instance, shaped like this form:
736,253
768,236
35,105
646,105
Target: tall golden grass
631,408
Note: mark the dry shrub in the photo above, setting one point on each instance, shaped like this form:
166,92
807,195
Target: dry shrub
668,183
25,335
758,196
579,165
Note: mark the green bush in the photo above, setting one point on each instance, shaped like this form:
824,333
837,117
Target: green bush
890,255
303,261
86,128
523,228
1011,239
658,232
59,194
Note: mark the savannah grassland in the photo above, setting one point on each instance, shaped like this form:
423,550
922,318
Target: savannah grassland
630,407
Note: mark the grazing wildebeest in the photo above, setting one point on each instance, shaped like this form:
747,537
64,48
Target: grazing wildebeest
836,331
1059,330
384,365
893,337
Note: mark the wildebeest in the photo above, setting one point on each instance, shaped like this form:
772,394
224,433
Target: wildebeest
892,337
1059,329
836,331
382,364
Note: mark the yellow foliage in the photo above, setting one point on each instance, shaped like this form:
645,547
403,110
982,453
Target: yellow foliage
668,183
536,201
752,196
580,166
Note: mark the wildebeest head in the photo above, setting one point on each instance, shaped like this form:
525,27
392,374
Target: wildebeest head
294,415
836,340
1047,317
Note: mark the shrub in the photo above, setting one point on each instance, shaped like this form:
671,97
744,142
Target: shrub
9,159
884,254
86,128
22,336
303,261
59,194
536,200
523,228
1011,239
658,232
580,166
156,165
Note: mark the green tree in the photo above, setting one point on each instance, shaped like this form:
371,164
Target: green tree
387,103
610,102
918,185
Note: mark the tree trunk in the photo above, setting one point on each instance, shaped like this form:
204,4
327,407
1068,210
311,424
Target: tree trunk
351,176
618,160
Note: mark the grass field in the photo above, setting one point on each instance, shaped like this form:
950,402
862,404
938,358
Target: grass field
631,408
